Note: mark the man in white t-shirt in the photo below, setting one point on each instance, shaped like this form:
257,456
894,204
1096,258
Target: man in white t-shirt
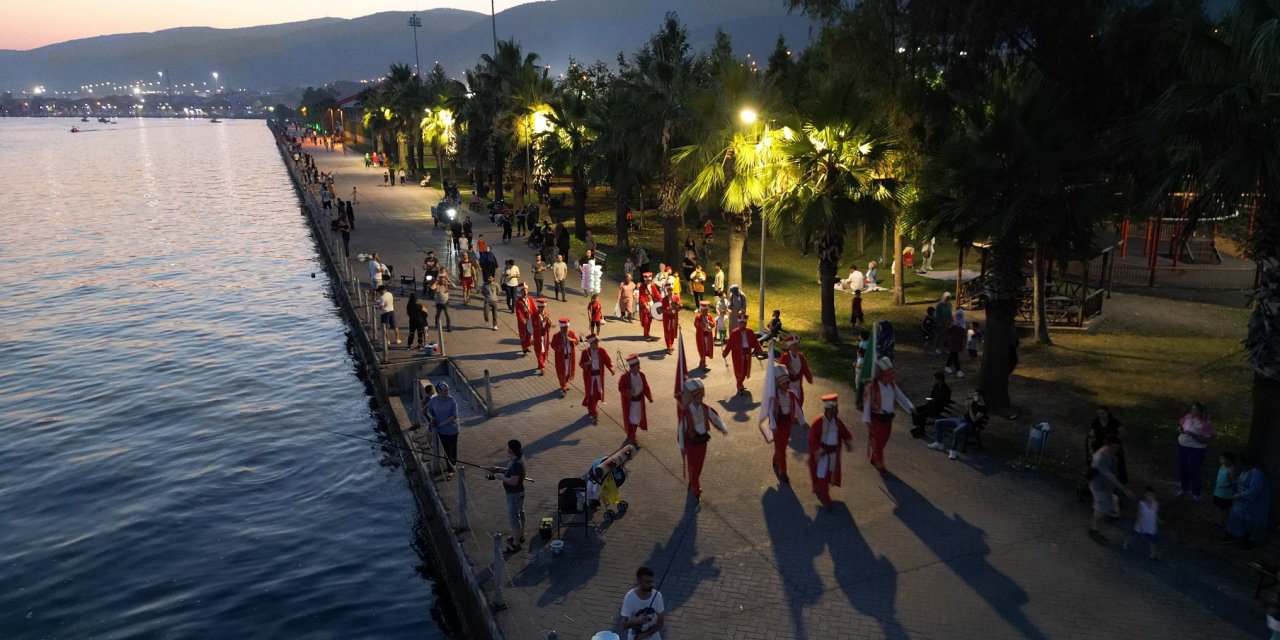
642,608
377,271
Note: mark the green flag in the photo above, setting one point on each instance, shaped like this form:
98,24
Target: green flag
867,371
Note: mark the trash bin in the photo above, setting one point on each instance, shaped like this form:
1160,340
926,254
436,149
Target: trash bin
1037,439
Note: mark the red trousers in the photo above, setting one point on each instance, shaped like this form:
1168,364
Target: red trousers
695,455
822,487
540,353
877,438
645,318
631,431
781,438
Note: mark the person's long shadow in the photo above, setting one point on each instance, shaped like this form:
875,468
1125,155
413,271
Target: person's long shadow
676,556
870,582
741,406
962,546
795,546
557,437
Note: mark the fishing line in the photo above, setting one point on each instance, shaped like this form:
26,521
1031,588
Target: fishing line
486,467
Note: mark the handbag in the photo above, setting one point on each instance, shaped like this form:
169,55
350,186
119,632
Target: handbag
698,287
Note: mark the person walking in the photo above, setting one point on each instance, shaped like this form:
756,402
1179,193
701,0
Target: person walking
562,240
942,315
559,273
387,311
354,197
595,315
488,263
594,362
442,286
633,392
785,410
541,335
505,220
698,284
344,228
704,334
513,486
351,215
564,346
1247,520
796,366
526,310
742,344
489,302
1102,485
696,421
855,310
627,298
510,282
880,397
642,260
537,270
442,412
670,318
1194,433
466,276
826,435
737,301
954,338
649,293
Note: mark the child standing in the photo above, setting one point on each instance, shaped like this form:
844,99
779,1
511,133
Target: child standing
927,326
722,324
1146,524
595,313
953,338
975,340
855,310
1224,488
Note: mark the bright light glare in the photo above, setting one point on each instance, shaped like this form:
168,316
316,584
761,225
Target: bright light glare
748,116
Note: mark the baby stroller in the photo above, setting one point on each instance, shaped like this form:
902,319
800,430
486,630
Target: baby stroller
535,240
605,477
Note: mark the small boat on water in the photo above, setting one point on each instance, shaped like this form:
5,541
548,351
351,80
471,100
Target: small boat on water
104,121
214,120
84,119
75,129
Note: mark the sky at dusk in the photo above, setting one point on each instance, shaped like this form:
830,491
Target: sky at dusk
36,24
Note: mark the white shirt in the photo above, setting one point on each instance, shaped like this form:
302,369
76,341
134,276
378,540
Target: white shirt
889,395
512,274
695,410
1148,515
856,281
387,304
375,271
633,604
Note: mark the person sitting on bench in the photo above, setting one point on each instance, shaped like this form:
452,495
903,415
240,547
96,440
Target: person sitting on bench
975,418
936,404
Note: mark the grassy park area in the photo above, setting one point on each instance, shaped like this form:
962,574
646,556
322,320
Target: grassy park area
1146,360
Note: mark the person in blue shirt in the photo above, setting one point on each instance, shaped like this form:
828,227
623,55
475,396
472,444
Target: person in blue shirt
443,414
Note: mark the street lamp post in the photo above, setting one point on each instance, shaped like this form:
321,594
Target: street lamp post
216,87
415,22
748,116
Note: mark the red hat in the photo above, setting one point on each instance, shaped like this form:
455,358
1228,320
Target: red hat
542,302
647,274
830,400
633,359
564,322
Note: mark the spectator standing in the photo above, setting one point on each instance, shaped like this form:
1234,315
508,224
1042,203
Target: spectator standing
562,240
344,228
698,284
717,284
974,342
855,310
1247,520
387,310
642,258
955,338
927,327
510,281
589,242
1224,487
442,412
559,273
737,301
627,298
351,215
377,271
417,321
538,269
489,302
1146,524
1194,433
942,312
643,609
506,226
1102,484
442,286
513,485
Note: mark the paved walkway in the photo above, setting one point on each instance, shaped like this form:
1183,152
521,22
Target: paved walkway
935,549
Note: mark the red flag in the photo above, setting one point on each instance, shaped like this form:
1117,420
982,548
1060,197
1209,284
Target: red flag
682,373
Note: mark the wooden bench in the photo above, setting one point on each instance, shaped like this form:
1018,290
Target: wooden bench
1267,565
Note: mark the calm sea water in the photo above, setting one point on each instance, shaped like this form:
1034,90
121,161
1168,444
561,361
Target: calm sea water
165,361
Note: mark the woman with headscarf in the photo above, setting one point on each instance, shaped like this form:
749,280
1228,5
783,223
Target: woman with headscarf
1247,520
884,339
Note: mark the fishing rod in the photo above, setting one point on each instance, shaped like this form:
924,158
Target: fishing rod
486,467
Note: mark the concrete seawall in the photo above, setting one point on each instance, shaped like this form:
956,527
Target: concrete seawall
392,385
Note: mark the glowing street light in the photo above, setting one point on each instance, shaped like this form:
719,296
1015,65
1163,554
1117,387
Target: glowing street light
748,116
216,86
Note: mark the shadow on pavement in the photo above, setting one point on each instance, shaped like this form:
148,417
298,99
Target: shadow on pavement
678,575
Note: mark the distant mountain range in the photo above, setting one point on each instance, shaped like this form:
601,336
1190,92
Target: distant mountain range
323,50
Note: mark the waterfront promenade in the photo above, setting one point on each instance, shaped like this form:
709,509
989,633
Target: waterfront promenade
934,549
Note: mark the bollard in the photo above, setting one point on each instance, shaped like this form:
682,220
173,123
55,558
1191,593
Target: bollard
488,394
435,453
462,501
440,339
386,354
499,574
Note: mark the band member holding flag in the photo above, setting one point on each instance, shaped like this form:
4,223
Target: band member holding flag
633,389
563,346
647,295
880,396
594,361
542,335
742,344
785,410
670,317
826,434
526,310
696,421
797,366
704,331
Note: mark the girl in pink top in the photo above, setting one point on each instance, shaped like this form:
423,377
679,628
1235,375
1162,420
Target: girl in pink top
1194,433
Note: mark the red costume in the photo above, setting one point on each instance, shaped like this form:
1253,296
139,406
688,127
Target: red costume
670,319
593,363
526,311
879,397
646,294
633,390
595,313
563,346
826,435
788,410
742,344
541,335
696,420
704,331
797,367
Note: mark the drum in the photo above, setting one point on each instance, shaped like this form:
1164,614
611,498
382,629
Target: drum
655,310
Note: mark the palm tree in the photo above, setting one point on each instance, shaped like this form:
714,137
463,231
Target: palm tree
499,85
828,177
723,166
1223,127
568,144
1018,174
612,150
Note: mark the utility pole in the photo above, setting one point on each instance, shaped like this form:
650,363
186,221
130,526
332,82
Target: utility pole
493,18
415,22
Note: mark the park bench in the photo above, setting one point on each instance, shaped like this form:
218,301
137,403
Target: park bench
955,411
1267,565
